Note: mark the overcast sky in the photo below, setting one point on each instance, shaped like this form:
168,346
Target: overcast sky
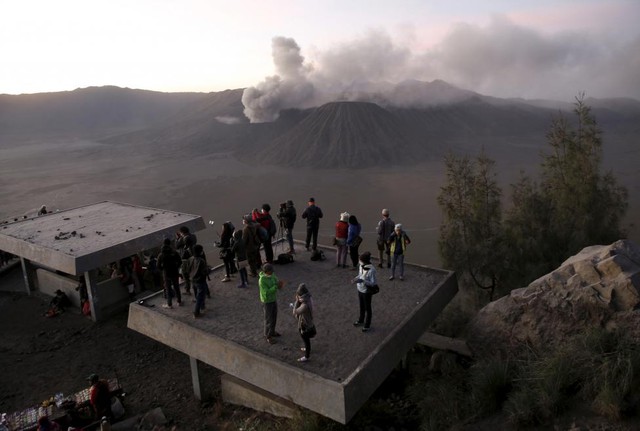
510,48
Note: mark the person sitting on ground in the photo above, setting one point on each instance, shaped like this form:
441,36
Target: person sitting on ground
100,397
45,424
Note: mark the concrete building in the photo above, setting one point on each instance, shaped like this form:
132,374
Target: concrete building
79,241
346,365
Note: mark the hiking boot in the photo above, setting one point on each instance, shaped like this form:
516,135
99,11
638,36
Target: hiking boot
357,323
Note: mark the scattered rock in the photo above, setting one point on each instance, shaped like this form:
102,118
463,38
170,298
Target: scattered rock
600,286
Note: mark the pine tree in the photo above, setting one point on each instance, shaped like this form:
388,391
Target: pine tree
471,233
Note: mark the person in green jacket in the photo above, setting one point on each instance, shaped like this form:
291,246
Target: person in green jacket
269,285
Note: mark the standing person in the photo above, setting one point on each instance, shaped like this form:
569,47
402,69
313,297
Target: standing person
266,221
342,229
198,272
364,280
225,250
399,241
100,397
384,230
138,272
252,245
287,216
303,311
354,239
169,263
269,285
313,214
239,251
185,242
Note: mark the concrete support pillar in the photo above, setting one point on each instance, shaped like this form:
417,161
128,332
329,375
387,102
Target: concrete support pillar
28,273
92,292
195,377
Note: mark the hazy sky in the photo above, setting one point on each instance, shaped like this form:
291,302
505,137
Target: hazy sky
509,48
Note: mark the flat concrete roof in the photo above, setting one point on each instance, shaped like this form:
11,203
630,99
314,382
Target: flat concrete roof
81,239
346,364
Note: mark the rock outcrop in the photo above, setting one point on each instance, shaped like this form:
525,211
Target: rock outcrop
600,286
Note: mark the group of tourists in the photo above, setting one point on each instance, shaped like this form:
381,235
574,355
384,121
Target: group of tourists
239,250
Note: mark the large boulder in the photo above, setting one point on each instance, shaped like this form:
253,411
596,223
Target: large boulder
600,286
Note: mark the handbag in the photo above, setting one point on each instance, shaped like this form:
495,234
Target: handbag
356,242
373,289
308,332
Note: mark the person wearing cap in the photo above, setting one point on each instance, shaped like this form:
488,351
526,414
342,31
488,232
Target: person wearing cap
303,311
198,272
366,278
398,241
384,231
312,214
342,232
268,285
100,397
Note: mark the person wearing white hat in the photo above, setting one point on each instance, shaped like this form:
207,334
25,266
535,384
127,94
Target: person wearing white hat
342,229
398,244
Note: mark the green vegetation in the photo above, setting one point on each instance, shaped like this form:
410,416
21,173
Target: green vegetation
572,205
599,368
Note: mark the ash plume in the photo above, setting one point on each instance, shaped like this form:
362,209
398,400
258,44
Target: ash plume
500,59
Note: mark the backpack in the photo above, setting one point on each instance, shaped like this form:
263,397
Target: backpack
273,230
317,255
284,258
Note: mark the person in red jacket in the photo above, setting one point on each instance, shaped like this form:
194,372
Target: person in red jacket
100,397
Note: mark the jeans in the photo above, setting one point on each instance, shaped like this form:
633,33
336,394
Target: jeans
268,250
312,233
289,236
270,318
200,289
353,252
172,288
307,345
365,308
341,255
398,260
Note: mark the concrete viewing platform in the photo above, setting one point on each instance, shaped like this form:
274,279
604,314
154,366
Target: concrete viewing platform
346,365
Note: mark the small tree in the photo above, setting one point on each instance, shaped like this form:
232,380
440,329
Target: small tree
471,233
572,207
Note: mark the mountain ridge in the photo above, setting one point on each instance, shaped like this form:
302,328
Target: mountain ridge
347,134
